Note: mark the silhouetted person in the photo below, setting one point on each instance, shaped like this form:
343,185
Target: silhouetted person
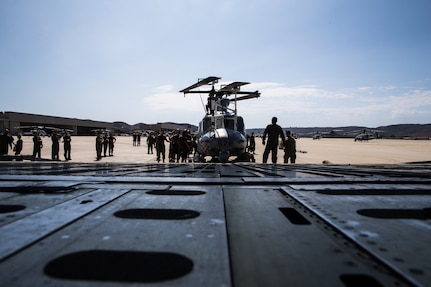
160,146
37,145
18,145
210,106
134,139
174,147
6,141
184,146
111,141
99,145
150,143
252,143
194,144
273,131
289,148
55,137
67,146
105,144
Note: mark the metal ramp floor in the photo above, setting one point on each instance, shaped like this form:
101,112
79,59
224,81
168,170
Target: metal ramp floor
69,224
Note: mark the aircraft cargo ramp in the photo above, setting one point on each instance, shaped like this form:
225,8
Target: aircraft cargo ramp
69,224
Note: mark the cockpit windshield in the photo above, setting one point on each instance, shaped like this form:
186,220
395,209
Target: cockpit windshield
227,122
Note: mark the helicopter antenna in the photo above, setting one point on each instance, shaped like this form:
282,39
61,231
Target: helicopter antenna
202,102
235,118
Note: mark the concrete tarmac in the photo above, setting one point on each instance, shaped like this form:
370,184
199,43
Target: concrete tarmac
309,151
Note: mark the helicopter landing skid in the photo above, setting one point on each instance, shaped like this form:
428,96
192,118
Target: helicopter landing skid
245,157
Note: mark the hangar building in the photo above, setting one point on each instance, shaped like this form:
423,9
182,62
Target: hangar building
14,120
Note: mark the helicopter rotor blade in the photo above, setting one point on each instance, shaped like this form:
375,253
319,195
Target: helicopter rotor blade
202,82
232,87
248,96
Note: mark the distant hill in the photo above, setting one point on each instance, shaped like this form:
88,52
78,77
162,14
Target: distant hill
122,127
407,130
414,131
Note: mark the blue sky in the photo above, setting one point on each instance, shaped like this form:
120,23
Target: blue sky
316,63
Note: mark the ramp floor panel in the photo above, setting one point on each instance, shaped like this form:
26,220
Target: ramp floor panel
69,224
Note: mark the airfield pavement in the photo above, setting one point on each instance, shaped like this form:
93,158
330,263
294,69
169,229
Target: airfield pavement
309,151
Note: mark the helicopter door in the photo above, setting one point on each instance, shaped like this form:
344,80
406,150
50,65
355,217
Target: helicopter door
240,125
205,125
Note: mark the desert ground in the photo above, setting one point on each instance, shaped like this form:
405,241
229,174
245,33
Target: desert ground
309,151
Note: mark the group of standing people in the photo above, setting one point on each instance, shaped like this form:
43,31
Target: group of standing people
105,143
136,139
55,138
7,141
181,144
274,131
55,148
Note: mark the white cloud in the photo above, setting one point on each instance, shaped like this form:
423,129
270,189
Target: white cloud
314,106
167,104
411,103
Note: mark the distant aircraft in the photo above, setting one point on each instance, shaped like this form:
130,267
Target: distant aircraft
221,132
101,131
366,135
363,137
332,133
146,133
317,136
41,130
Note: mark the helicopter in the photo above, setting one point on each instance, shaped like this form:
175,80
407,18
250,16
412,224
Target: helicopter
221,133
366,135
100,131
317,136
327,134
42,130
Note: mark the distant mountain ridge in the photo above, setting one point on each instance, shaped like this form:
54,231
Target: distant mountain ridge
416,131
122,127
409,130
